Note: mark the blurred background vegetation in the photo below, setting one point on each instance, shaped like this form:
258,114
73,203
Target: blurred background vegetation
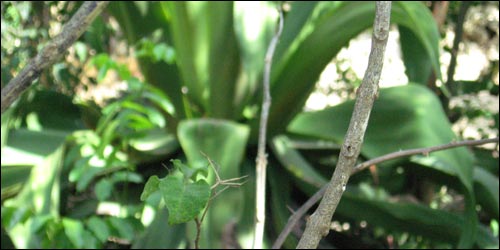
151,82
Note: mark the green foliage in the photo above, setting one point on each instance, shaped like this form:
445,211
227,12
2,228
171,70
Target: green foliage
184,196
73,171
184,201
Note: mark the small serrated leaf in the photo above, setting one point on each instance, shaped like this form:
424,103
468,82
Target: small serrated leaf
184,200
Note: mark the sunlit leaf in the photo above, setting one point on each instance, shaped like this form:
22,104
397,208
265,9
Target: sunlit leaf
402,118
74,230
152,185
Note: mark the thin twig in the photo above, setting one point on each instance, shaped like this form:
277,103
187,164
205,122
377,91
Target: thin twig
318,225
198,231
260,196
424,151
214,193
296,217
54,50
317,196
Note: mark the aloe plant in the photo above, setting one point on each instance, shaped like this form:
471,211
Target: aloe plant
206,97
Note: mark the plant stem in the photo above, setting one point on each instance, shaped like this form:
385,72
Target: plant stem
318,225
416,151
260,196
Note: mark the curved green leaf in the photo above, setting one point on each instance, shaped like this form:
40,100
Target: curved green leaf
295,74
156,143
75,232
41,191
419,38
402,118
420,220
223,141
486,189
328,29
280,187
13,177
295,163
207,52
99,227
255,23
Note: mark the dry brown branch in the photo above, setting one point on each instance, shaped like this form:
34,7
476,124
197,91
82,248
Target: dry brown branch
318,225
52,52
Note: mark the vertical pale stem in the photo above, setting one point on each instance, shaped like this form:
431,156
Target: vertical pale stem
260,171
318,225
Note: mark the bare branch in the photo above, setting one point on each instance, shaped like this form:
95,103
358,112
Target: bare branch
260,196
318,225
317,196
227,183
424,151
54,50
296,217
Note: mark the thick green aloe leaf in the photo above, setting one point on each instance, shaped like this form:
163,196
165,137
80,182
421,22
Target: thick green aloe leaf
135,18
430,223
321,38
223,59
23,151
75,232
419,38
418,65
207,52
223,141
13,177
293,161
42,152
255,24
41,190
403,117
280,187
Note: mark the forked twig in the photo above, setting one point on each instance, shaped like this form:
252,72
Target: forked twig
218,182
295,217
